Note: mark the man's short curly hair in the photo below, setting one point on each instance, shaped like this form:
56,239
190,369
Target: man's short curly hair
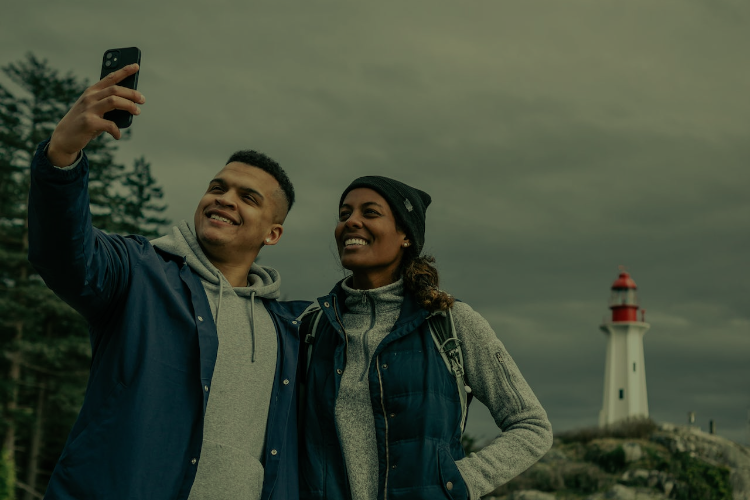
265,163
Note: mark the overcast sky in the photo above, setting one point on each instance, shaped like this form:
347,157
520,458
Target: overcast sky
558,140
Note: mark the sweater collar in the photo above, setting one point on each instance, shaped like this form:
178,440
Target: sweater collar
386,298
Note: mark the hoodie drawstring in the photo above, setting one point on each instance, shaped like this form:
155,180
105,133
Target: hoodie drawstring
252,323
218,306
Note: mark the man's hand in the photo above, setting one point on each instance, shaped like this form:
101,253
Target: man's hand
84,121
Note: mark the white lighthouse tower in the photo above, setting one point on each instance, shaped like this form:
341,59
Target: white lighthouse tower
625,369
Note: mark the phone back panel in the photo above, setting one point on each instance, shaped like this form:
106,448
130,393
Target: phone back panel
112,60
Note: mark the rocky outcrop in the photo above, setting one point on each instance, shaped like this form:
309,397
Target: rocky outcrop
712,449
640,460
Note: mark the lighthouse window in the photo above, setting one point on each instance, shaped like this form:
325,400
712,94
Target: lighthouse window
622,393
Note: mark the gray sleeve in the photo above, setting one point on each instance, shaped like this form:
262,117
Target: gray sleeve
496,381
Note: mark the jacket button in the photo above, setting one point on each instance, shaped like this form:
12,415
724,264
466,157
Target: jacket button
393,466
294,322
385,366
274,452
392,415
286,381
205,388
200,318
339,371
449,485
326,304
194,461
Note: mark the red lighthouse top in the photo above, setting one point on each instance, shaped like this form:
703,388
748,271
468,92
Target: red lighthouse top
623,300
624,281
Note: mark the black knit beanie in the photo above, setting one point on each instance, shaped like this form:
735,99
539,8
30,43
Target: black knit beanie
408,204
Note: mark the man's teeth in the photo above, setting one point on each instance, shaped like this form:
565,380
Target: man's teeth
222,219
355,241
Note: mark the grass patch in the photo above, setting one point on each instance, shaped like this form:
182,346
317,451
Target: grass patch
637,428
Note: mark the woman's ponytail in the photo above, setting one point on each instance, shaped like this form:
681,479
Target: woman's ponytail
421,279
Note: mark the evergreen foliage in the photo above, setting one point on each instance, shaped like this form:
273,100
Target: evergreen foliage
701,479
44,345
7,477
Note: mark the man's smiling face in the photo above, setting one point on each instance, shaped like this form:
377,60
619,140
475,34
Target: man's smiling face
239,211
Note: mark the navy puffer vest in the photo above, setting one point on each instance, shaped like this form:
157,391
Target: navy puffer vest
415,403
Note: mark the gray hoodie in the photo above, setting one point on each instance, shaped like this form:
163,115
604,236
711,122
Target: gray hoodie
235,423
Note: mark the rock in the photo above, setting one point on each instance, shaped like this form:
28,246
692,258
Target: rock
641,475
633,452
668,487
664,477
531,495
554,455
620,492
617,492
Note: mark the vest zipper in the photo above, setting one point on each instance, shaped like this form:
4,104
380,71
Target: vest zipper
385,418
365,341
343,330
346,352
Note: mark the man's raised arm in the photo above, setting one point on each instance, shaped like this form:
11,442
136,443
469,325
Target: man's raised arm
78,262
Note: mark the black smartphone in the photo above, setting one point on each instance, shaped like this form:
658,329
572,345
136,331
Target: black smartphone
113,60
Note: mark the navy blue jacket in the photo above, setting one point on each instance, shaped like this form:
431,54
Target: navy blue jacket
414,400
154,345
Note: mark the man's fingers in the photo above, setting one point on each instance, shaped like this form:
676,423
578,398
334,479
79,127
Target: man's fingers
112,102
84,121
99,125
130,94
116,76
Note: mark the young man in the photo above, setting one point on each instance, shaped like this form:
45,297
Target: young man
192,385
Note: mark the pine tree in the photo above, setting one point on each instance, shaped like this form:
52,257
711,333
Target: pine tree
44,347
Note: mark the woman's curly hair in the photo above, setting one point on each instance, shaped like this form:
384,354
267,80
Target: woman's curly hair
421,279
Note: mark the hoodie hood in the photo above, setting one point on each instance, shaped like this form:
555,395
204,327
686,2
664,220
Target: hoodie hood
263,282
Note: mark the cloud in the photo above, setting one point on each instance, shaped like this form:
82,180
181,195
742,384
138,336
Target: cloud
558,141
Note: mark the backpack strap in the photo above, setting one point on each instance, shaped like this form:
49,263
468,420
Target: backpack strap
310,337
309,320
443,332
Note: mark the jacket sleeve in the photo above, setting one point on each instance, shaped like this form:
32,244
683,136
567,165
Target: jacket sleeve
496,381
85,267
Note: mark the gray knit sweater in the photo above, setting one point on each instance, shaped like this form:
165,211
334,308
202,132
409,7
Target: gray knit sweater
526,433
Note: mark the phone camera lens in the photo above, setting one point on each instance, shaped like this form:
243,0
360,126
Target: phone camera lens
108,63
109,55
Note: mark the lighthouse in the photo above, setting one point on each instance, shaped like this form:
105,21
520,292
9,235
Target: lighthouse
625,369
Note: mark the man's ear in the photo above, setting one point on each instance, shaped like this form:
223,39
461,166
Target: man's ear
274,234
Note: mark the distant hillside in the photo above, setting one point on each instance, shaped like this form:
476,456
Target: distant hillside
636,460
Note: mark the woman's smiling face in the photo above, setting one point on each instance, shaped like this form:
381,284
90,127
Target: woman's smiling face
368,241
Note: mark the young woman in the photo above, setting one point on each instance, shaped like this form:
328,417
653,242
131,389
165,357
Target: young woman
382,412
